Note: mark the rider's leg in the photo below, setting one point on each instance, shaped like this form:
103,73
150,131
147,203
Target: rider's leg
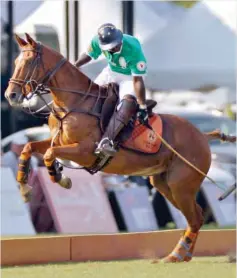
125,111
126,87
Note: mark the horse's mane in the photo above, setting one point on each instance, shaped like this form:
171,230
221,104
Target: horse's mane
61,56
52,50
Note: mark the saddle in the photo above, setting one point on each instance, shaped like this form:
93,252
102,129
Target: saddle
110,104
135,137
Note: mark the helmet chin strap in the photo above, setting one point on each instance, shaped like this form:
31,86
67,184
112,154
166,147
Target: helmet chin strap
119,51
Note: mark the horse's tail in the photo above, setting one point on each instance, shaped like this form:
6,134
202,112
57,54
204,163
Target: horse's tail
216,134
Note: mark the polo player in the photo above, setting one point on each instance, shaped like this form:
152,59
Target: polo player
126,67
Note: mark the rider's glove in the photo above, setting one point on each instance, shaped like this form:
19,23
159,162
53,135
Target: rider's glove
142,115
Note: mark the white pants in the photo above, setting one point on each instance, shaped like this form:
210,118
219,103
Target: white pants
125,81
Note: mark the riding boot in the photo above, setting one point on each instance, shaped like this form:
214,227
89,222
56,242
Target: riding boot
125,111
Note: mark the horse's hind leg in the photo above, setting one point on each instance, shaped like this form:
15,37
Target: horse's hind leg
160,183
24,162
185,197
185,247
189,254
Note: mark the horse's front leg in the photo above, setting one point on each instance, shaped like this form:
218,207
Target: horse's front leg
24,165
64,152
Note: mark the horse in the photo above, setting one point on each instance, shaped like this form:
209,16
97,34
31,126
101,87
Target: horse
75,128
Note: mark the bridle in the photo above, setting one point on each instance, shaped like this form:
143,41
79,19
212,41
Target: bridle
38,86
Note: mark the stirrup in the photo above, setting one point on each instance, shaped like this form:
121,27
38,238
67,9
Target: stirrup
106,146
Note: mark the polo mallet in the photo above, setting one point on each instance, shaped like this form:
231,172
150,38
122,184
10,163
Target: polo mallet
227,192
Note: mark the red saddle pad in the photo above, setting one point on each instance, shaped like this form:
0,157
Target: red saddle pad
143,139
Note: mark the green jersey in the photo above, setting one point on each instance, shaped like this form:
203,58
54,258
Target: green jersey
130,60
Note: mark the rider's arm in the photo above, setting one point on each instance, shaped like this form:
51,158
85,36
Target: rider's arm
93,52
140,90
138,70
83,59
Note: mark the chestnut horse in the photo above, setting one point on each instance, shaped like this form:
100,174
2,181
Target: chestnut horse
75,131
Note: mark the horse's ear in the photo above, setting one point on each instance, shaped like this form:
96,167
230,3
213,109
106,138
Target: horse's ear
30,40
21,42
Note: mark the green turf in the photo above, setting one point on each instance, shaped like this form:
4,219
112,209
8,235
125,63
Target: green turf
208,267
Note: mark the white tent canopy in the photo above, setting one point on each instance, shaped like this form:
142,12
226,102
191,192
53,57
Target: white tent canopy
196,50
46,18
185,48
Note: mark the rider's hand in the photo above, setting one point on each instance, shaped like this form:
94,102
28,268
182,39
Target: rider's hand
142,115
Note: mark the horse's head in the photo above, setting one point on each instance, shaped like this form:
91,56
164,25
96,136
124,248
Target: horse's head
33,68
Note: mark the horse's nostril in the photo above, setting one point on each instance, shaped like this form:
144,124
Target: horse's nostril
13,96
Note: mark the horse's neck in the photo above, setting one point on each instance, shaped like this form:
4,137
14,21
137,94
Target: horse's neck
70,78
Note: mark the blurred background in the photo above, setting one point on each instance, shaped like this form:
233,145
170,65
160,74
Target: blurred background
190,51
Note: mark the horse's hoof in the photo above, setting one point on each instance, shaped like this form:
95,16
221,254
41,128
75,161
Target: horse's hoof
187,259
26,192
65,182
170,259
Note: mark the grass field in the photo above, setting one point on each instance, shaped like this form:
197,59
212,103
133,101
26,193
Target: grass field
206,267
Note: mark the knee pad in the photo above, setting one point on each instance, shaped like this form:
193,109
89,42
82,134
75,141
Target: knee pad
127,108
